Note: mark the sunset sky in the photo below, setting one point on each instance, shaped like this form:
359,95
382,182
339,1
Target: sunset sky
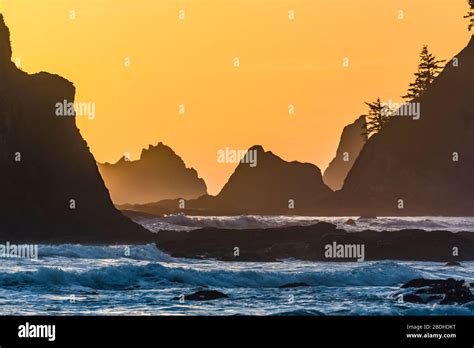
190,62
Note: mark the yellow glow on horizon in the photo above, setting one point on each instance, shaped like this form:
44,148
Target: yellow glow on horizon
190,62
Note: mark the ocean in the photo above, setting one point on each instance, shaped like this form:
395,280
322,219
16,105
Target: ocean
142,280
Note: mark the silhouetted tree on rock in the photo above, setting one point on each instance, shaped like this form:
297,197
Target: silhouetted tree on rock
470,14
428,69
377,117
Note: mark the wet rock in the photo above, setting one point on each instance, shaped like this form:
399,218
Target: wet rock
350,222
308,243
413,298
449,291
203,295
452,264
294,285
421,283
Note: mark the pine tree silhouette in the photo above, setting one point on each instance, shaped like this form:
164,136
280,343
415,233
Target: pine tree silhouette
377,117
428,69
470,14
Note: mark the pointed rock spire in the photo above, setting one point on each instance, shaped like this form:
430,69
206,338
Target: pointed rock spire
5,45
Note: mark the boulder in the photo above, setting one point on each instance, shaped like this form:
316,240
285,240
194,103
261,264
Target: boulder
452,264
294,285
350,222
203,295
445,292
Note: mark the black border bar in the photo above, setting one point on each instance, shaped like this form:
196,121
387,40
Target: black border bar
241,330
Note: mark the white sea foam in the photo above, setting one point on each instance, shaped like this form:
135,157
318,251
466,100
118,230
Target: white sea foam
181,222
153,274
104,282
134,252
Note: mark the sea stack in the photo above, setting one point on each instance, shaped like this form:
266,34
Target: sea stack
352,141
273,186
51,188
421,165
157,175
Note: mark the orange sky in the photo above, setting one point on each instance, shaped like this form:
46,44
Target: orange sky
190,62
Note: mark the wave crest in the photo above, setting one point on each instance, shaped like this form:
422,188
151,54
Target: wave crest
153,275
147,252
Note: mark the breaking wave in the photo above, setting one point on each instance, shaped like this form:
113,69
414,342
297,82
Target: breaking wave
178,221
151,275
147,252
182,222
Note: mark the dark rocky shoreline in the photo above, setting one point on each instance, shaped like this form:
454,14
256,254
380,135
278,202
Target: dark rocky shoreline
437,291
308,243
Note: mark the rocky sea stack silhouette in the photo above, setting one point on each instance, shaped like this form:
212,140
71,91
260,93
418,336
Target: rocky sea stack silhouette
51,188
424,166
159,174
271,185
352,141
416,165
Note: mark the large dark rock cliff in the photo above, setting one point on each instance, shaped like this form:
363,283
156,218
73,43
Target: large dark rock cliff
51,188
424,166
